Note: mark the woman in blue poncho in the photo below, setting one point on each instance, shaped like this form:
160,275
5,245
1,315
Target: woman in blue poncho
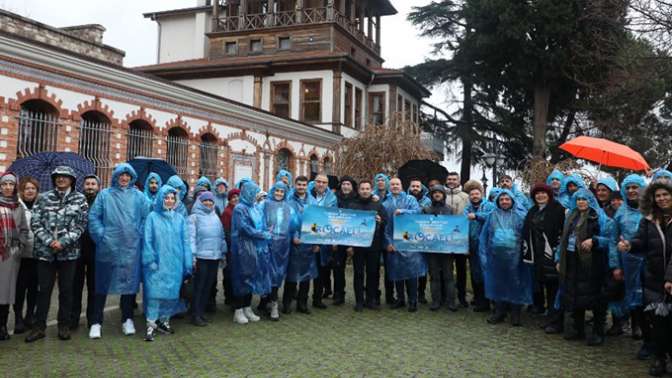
570,184
250,257
508,280
153,183
176,182
166,262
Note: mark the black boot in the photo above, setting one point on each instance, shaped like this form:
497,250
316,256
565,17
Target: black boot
4,335
657,368
515,316
597,336
287,304
577,330
19,325
302,306
616,327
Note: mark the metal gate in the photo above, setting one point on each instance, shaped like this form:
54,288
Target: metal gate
94,145
209,158
139,142
37,133
178,153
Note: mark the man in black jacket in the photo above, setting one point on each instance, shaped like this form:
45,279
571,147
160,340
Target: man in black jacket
347,196
366,261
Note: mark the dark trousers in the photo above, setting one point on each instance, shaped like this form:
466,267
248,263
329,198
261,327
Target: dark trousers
411,290
26,290
599,319
204,277
4,315
643,321
389,284
340,259
322,281
242,302
47,273
502,308
125,303
84,272
662,335
422,286
548,290
461,268
441,275
366,266
289,293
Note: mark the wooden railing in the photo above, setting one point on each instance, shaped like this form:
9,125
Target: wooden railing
306,16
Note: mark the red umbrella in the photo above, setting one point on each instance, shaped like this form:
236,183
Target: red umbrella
606,152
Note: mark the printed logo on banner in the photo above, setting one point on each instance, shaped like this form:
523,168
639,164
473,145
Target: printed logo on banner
431,233
334,226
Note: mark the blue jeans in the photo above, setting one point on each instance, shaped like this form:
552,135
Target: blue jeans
411,289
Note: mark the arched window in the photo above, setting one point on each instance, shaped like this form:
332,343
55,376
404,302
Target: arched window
94,142
328,166
283,160
139,140
314,166
209,157
38,128
178,149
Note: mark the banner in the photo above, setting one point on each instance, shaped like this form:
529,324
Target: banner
431,233
334,226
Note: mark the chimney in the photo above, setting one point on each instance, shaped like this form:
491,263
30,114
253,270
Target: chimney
91,32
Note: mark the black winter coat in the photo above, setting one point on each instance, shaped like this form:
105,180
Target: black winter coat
548,222
370,205
657,251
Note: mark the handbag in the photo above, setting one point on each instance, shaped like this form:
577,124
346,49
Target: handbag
187,290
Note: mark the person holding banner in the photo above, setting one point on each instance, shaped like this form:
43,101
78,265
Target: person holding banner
508,280
319,194
440,264
404,267
346,196
421,194
366,260
381,184
302,266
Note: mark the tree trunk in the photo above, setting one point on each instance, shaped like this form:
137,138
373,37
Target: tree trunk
542,98
566,128
467,126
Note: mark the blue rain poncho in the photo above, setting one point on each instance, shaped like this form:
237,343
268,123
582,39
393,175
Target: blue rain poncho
166,259
555,175
627,221
284,173
152,176
281,220
206,233
507,278
565,197
475,228
204,182
380,194
424,200
221,199
302,265
116,225
176,182
402,265
328,199
662,174
241,182
609,182
250,257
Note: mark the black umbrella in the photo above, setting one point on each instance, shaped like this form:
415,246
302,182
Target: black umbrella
143,166
424,170
40,166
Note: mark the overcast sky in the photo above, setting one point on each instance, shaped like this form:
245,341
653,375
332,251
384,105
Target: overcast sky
128,30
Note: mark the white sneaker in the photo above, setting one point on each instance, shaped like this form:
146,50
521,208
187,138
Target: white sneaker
128,328
250,315
275,314
94,332
239,317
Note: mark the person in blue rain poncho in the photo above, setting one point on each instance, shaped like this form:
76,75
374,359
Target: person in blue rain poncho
381,183
221,192
662,174
208,246
603,192
166,262
153,183
477,211
281,221
554,180
176,182
302,266
587,237
285,177
116,225
418,190
570,184
628,268
521,201
508,280
250,258
404,267
319,194
205,183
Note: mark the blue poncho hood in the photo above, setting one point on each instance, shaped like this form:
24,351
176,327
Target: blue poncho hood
555,175
221,180
176,182
152,176
278,185
241,182
565,198
123,168
384,177
609,182
163,192
508,193
586,194
494,194
248,194
204,182
199,208
630,180
284,173
662,174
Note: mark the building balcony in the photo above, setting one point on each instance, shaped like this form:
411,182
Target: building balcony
306,16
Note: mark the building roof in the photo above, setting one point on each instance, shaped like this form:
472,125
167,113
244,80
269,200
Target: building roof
384,75
176,12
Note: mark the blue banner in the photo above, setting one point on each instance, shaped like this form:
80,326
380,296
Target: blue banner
334,226
431,233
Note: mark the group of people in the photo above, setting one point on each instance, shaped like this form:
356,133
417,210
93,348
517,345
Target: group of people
567,248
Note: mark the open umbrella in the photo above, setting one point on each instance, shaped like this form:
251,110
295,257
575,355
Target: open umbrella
40,166
606,152
143,166
424,170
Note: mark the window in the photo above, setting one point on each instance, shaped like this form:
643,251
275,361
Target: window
400,104
284,43
231,48
94,142
348,105
283,160
358,108
255,45
38,128
314,166
178,149
407,110
281,98
139,139
377,108
311,103
209,156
